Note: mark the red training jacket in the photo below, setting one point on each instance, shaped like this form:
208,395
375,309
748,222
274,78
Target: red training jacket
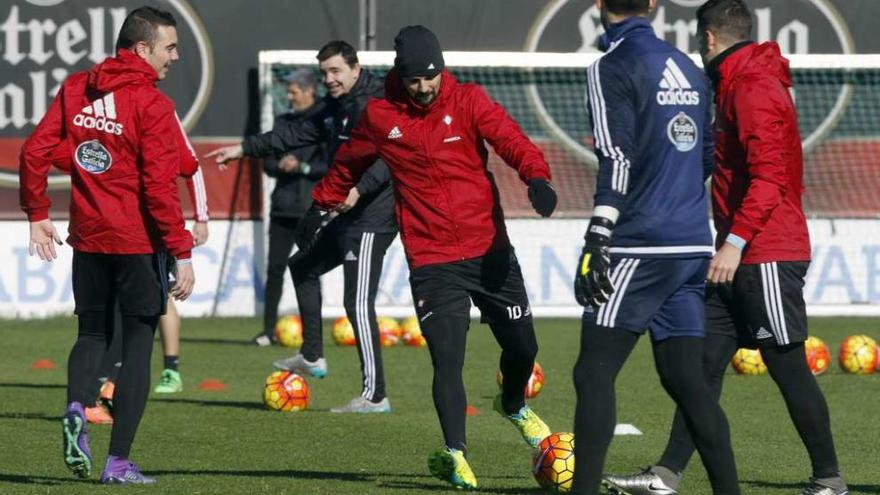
447,203
121,129
758,179
62,158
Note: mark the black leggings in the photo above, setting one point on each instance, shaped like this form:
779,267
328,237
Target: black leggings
447,341
603,353
281,240
133,383
803,398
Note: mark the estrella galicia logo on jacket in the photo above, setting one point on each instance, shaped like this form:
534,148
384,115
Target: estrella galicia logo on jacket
100,115
682,132
93,157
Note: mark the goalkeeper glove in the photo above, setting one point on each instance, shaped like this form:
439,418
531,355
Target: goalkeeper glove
592,282
543,197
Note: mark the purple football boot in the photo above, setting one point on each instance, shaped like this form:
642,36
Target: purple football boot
75,438
121,471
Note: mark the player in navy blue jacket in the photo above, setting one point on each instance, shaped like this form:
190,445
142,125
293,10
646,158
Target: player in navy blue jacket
648,244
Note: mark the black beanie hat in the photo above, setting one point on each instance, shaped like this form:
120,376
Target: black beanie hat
418,52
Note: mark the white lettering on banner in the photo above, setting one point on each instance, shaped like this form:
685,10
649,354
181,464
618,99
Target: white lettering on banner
48,45
844,275
793,36
46,41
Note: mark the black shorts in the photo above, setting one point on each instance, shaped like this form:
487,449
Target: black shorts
764,307
137,282
494,282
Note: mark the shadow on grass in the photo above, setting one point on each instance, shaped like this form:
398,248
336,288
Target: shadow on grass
379,479
39,480
438,486
32,385
240,404
214,340
867,489
29,416
284,473
234,404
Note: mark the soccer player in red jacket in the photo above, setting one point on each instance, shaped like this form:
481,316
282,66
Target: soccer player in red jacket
756,279
431,130
124,216
169,323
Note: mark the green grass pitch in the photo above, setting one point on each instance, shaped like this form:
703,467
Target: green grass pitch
203,442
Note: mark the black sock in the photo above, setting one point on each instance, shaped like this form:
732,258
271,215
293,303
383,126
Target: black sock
447,339
806,405
717,352
602,354
133,385
171,362
86,356
518,350
684,380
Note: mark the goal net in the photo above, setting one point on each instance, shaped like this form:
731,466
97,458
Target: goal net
838,100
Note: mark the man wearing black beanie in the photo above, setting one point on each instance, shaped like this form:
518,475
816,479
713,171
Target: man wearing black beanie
432,132
418,53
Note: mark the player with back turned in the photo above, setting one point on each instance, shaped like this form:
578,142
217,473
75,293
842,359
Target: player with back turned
124,216
648,244
755,296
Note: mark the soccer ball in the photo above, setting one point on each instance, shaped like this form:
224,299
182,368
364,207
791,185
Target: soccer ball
412,333
391,325
818,355
343,332
748,362
535,384
410,324
553,463
286,391
289,331
389,331
859,355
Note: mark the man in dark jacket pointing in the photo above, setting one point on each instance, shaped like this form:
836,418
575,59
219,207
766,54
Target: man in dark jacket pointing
357,240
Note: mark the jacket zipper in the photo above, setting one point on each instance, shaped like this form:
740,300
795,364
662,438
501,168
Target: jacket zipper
443,184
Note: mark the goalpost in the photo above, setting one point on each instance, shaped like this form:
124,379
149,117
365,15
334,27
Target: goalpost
838,100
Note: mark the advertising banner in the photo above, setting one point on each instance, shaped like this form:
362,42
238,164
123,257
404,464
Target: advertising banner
844,277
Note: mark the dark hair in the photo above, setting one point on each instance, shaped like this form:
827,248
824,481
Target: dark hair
728,19
628,7
338,47
141,25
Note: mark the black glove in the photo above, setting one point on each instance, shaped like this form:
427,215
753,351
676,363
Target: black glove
310,226
592,281
543,197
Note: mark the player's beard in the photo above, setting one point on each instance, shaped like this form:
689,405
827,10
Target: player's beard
425,99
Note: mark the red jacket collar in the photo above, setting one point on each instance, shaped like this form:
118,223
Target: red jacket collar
764,59
122,70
